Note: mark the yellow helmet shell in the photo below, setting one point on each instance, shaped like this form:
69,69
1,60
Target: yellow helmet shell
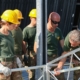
33,13
19,13
10,16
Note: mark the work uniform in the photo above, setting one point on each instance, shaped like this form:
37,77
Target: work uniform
52,47
29,36
18,38
7,57
67,47
52,43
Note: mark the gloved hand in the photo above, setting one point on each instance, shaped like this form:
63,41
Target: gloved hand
5,70
19,63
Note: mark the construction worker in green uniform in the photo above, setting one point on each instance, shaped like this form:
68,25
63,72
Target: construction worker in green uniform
29,33
7,57
18,38
72,41
17,35
54,35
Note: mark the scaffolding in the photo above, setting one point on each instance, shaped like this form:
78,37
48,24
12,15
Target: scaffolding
45,69
50,64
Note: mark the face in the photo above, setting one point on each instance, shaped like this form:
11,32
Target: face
17,25
33,21
11,26
55,21
74,43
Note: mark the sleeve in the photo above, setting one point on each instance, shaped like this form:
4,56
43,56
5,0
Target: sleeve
61,35
35,39
66,44
25,35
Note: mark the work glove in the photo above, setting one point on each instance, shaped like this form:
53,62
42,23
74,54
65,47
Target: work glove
5,70
19,63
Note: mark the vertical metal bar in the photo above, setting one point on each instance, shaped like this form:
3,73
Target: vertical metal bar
39,37
47,73
44,72
45,36
46,29
70,67
39,30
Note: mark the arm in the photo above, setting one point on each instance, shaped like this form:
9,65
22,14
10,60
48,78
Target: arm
62,61
25,39
35,47
61,38
60,64
35,44
24,46
66,49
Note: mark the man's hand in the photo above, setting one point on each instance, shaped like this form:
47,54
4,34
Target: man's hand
56,71
5,70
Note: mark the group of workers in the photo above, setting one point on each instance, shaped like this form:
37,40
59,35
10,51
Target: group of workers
71,42
18,48
14,42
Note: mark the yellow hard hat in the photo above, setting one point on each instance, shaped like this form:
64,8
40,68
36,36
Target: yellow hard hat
33,13
19,13
10,16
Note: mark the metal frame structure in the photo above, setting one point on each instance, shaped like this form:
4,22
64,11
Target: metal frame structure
51,64
41,6
43,71
64,70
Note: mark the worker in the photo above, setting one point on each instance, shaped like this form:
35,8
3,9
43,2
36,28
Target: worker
54,35
7,57
18,38
72,41
29,33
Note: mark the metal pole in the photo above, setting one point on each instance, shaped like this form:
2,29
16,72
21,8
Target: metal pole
68,54
39,38
41,6
45,37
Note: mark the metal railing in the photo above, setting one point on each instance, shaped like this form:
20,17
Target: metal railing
71,53
46,68
42,67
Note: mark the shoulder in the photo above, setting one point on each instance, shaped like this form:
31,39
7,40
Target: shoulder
67,36
58,29
25,29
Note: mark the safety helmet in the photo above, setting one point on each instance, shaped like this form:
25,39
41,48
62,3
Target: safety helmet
10,16
19,13
33,13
